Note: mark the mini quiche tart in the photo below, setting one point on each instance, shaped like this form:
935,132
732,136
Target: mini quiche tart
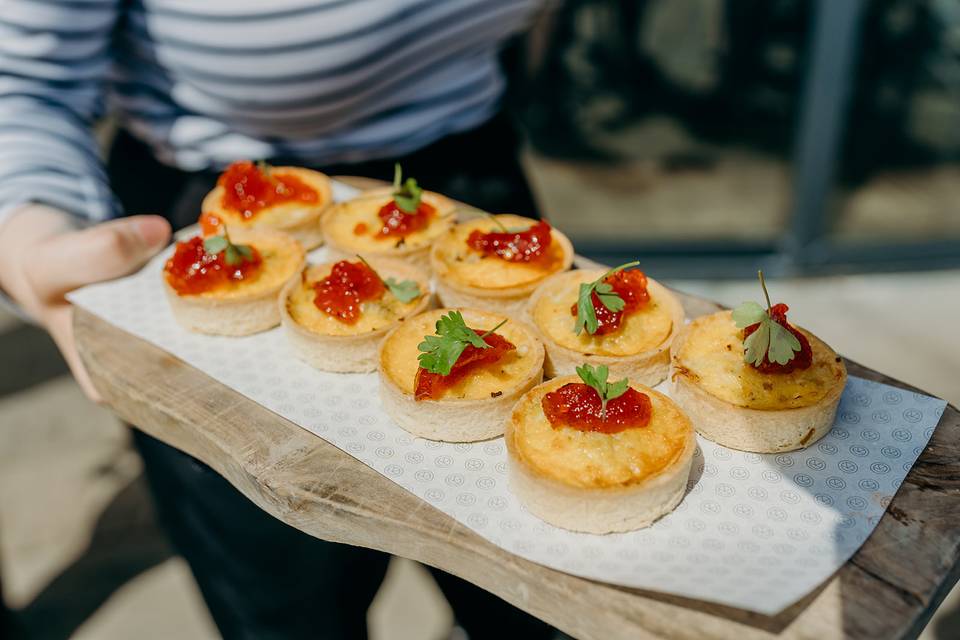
454,375
496,262
633,341
580,466
229,284
762,406
335,314
288,199
374,224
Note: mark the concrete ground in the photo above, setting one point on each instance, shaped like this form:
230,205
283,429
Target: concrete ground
83,557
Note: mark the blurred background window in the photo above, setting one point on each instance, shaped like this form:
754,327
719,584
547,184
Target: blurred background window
718,134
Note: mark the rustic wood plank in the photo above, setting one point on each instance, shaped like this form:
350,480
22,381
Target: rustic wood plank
888,590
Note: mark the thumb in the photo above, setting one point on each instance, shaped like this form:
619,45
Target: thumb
109,250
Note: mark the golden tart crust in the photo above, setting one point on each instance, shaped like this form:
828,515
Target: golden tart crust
341,220
377,315
711,355
477,407
300,219
459,265
399,355
247,306
594,460
331,345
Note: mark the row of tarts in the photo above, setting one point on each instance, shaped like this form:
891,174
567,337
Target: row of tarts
594,448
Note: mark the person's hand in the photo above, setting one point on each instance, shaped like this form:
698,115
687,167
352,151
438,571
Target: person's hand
43,256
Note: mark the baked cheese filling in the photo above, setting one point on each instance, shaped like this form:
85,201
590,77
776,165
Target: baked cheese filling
373,315
594,459
356,224
400,353
471,267
640,331
712,357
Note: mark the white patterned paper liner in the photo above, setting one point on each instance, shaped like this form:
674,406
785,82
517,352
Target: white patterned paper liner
756,532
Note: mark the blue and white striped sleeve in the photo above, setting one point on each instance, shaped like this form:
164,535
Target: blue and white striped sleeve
54,57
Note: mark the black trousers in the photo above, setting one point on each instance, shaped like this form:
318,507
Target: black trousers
261,578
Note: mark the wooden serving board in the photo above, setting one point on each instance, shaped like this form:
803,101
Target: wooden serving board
889,589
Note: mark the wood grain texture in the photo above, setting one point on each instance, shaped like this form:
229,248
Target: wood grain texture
889,589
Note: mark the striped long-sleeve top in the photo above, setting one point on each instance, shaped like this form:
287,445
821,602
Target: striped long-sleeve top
206,83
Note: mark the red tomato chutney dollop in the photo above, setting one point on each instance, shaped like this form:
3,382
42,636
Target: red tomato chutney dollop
191,270
248,190
578,406
350,284
395,222
801,360
431,386
631,286
520,246
210,224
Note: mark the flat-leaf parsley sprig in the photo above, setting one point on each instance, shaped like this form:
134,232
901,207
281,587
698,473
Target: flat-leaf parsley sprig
440,352
407,194
586,315
233,254
771,340
403,290
597,378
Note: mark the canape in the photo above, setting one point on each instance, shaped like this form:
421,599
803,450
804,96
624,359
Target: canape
257,196
399,222
229,284
752,381
336,313
496,262
598,456
454,375
619,318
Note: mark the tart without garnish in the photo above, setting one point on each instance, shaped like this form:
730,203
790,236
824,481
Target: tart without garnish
592,454
258,195
399,222
228,284
496,261
454,374
751,380
336,313
619,318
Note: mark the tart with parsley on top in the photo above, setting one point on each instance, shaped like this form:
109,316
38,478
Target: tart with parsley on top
752,381
588,454
495,262
399,222
618,318
336,313
454,375
256,195
229,284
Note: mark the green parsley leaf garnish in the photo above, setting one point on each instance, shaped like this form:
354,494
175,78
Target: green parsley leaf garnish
597,378
407,194
771,340
586,315
233,254
215,244
404,290
440,352
263,167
